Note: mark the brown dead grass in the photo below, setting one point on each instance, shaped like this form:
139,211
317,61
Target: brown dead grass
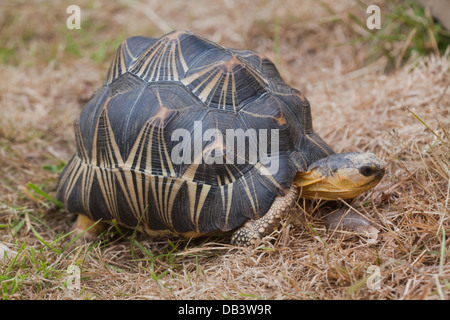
355,108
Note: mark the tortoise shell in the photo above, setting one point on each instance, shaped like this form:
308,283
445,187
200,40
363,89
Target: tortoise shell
161,99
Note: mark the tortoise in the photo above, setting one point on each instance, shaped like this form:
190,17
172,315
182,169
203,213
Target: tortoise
188,137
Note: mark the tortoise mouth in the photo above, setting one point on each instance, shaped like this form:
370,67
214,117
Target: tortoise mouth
343,184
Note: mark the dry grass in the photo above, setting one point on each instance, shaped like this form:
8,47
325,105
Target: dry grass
48,72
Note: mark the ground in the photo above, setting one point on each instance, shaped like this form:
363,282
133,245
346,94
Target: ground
384,91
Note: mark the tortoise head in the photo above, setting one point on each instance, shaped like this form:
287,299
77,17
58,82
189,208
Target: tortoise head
343,175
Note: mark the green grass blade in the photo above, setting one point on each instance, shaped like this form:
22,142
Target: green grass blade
317,235
44,194
13,262
77,236
431,130
39,237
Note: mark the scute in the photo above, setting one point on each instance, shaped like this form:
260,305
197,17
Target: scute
127,53
169,58
224,81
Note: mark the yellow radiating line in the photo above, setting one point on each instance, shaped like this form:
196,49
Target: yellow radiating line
80,142
72,178
94,143
112,193
258,115
114,147
147,59
180,53
140,193
88,178
201,201
249,193
203,82
208,89
160,198
233,91
158,63
192,190
104,187
163,143
223,94
139,140
155,57
138,173
166,154
176,185
189,174
168,73
222,192
112,185
94,139
168,192
148,159
74,175
85,186
128,50
112,69
116,63
155,196
146,195
128,166
67,173
233,179
226,201
188,80
161,139
123,67
230,197
174,64
131,194
163,167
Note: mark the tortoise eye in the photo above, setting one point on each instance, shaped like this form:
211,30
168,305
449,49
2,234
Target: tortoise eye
367,170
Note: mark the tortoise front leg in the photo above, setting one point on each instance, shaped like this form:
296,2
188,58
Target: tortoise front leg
83,223
254,230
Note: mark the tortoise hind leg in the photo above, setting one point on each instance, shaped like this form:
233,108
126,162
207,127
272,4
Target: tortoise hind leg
254,230
83,223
